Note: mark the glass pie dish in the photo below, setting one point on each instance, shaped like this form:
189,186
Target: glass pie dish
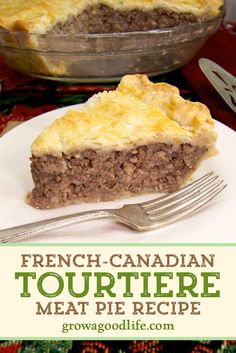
104,57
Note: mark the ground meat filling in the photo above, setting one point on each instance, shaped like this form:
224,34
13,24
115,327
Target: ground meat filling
103,19
101,176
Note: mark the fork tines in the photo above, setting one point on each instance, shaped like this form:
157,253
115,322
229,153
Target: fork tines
178,204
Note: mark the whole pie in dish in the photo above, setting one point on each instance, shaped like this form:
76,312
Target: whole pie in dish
102,16
77,39
142,137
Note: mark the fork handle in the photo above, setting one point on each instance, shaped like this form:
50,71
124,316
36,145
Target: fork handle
12,235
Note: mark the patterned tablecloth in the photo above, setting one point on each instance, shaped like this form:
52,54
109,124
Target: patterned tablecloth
118,347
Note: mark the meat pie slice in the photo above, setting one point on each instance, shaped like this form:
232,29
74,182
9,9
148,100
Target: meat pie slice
142,137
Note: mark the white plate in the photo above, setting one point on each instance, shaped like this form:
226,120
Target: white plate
215,223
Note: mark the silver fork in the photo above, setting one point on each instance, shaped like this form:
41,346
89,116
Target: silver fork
144,216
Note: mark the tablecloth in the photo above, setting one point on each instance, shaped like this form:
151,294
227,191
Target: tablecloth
118,347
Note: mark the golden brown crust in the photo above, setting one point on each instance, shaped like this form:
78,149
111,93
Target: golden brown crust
138,112
44,14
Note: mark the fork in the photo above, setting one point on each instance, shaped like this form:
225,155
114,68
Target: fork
144,216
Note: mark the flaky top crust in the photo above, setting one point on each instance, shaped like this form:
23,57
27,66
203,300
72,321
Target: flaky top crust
39,16
137,113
